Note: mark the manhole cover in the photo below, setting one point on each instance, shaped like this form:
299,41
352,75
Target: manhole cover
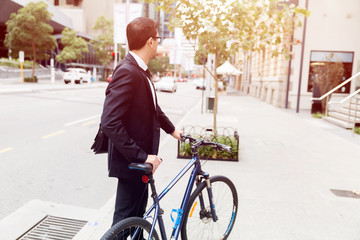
52,227
345,193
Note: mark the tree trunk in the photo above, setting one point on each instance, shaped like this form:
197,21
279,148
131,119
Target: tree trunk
216,92
244,76
34,59
250,71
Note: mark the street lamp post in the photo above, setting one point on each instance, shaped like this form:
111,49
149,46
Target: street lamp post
302,60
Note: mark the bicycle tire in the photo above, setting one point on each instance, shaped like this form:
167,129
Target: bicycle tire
200,225
121,230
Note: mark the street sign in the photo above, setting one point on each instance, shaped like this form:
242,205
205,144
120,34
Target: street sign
52,73
21,56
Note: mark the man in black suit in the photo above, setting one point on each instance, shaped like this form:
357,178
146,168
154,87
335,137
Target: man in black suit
132,119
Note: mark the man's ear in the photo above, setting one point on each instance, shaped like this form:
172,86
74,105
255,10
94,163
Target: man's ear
150,41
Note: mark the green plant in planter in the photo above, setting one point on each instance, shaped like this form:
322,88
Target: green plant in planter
207,152
357,130
318,115
31,79
16,64
185,149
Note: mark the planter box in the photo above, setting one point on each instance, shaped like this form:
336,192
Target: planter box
227,136
31,79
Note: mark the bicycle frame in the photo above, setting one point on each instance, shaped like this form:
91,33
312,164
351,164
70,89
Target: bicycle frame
179,219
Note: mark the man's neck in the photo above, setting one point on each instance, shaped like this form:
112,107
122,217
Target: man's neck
142,55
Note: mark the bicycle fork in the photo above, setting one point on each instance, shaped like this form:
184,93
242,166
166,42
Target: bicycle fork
203,212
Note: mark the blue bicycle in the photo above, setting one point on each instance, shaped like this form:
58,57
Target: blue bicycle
207,213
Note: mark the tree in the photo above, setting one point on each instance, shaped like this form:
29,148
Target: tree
74,47
160,64
104,42
221,27
155,65
264,25
28,30
206,22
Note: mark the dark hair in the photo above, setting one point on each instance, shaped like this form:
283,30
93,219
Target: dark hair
139,30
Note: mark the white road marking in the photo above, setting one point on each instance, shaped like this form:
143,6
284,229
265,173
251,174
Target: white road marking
88,123
53,134
81,120
6,150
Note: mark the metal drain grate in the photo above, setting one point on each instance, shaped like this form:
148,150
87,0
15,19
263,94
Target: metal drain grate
54,228
345,193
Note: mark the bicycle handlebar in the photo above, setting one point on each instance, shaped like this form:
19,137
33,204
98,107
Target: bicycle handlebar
202,142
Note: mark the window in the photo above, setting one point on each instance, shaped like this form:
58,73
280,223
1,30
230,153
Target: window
329,69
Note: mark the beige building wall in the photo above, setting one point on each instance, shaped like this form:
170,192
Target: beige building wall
269,77
85,14
332,26
95,8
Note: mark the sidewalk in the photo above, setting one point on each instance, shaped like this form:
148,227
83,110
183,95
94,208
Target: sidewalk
288,163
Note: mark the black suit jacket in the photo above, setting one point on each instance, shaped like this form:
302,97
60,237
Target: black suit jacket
130,119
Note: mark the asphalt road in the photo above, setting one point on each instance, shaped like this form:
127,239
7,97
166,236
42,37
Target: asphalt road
45,146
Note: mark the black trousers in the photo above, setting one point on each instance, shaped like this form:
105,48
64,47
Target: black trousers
131,199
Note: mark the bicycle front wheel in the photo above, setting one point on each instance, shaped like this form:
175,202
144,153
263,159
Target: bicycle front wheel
134,228
198,222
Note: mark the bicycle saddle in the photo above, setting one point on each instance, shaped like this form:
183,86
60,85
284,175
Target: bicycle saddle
146,167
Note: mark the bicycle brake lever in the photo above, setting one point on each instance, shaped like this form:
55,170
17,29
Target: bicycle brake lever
224,147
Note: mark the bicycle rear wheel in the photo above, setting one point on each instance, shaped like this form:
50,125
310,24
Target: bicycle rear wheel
134,228
198,222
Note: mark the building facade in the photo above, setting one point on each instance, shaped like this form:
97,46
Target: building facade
331,34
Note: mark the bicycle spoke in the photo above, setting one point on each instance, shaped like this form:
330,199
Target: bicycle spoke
200,224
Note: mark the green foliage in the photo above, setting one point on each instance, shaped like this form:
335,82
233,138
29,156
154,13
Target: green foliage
318,115
265,24
357,130
222,27
160,65
15,63
206,152
103,43
31,79
185,149
155,65
74,47
28,30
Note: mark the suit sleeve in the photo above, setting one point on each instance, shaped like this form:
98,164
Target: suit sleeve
165,122
118,99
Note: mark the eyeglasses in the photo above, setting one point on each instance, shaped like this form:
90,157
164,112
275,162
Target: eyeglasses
158,38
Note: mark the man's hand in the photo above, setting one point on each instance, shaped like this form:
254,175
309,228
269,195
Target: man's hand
154,160
176,134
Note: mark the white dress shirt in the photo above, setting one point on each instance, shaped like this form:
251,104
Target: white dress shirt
143,65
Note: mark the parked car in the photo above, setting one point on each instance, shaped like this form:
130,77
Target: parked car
109,78
184,79
166,84
76,75
220,85
199,83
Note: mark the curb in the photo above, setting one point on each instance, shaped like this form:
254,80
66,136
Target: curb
8,89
